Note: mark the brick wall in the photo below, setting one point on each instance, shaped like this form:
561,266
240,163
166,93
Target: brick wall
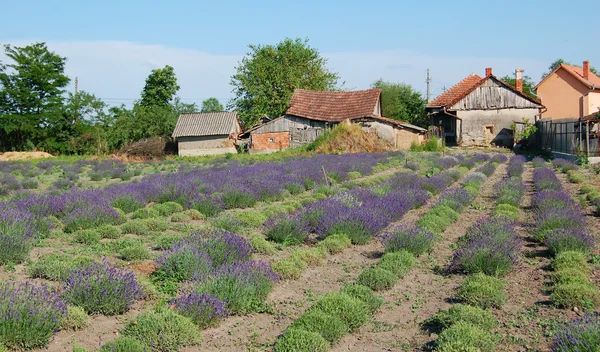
271,141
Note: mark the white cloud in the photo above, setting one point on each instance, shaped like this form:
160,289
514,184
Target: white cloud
116,70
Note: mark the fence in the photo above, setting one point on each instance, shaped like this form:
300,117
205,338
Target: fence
569,136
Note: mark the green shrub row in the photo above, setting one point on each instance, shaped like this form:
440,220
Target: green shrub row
572,287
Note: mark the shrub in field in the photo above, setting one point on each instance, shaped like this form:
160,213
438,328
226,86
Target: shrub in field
364,294
510,191
101,288
508,211
299,340
136,227
377,279
552,199
412,239
456,198
487,169
204,309
575,176
145,213
399,263
238,199
412,166
555,219
295,188
95,176
576,294
564,165
87,236
55,267
561,240
168,208
578,335
180,217
251,217
63,184
538,162
18,235
335,243
570,260
226,222
569,275
499,158
154,224
165,241
312,256
76,319
261,245
109,231
127,203
223,247
90,217
29,315
29,184
287,230
352,311
290,268
462,313
243,286
123,344
136,251
544,179
331,328
482,291
438,219
164,330
183,261
463,336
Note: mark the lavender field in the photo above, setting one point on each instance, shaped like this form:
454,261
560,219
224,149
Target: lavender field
356,252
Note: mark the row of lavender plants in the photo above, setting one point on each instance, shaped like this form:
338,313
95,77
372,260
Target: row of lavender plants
562,227
208,190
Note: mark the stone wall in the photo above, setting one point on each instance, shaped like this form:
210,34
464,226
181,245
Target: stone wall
485,127
205,145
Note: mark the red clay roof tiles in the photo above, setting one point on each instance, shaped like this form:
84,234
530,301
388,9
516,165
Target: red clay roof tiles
334,106
457,91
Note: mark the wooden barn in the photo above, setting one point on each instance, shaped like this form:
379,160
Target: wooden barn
480,111
313,112
207,133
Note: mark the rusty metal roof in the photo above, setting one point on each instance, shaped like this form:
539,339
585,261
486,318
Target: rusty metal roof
206,124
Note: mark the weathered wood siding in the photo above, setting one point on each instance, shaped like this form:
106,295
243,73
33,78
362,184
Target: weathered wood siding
302,131
493,95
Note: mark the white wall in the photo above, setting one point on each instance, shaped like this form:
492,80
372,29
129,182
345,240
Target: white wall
474,123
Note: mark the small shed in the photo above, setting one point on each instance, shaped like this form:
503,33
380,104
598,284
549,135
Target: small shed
207,133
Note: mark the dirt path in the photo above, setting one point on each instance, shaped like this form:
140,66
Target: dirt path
423,292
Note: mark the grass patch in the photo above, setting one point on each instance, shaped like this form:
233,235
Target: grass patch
364,294
290,269
299,340
482,291
331,328
76,319
351,310
464,336
377,279
312,256
398,263
462,313
335,243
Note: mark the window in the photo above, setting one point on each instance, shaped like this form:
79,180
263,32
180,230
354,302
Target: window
489,130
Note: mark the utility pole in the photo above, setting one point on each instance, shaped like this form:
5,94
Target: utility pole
76,84
428,87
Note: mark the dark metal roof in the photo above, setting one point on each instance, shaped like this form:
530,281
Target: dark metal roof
206,124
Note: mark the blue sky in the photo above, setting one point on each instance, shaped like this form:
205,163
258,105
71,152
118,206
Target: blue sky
112,45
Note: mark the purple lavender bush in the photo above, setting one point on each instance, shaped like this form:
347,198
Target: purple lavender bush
510,191
29,315
409,238
487,169
287,229
545,179
183,261
561,240
515,166
545,200
243,286
538,162
222,247
498,158
101,288
579,335
204,309
18,235
90,216
564,165
557,218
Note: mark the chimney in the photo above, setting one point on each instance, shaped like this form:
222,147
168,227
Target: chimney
586,69
519,80
488,71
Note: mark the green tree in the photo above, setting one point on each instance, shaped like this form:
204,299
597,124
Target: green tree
268,75
211,105
560,61
528,84
161,87
399,101
31,94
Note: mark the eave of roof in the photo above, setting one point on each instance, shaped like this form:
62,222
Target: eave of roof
571,70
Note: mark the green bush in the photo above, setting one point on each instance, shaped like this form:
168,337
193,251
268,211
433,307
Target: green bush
298,340
136,227
576,294
109,231
251,217
330,327
55,267
261,245
569,275
164,241
365,294
163,330
571,260
575,176
510,211
465,337
438,219
168,208
124,344
180,217
585,189
156,224
195,214
399,263
351,310
226,222
462,313
377,279
290,269
482,291
312,256
76,319
145,213
134,252
87,236
335,243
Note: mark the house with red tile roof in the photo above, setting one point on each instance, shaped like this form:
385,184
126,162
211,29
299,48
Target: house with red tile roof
313,112
480,110
570,92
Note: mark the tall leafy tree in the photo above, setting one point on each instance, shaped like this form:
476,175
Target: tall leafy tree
31,94
268,75
161,87
211,105
400,101
528,84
